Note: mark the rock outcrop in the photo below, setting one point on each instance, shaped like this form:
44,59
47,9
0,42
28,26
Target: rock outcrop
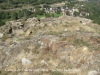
61,45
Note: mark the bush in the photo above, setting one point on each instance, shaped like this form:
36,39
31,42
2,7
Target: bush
47,15
64,39
2,23
76,13
46,6
2,72
67,13
14,16
39,12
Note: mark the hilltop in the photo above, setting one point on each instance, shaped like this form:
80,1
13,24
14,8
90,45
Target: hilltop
50,46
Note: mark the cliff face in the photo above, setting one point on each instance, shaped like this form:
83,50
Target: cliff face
51,46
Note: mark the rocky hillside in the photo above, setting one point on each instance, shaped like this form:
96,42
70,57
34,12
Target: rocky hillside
50,46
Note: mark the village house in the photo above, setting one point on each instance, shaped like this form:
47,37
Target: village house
71,12
46,10
64,10
51,10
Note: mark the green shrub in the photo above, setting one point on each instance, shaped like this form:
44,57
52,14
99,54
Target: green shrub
80,42
56,73
76,13
2,23
2,72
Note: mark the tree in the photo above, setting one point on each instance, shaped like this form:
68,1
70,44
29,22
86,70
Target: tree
46,6
1,14
2,22
27,13
7,16
39,12
20,14
37,7
14,16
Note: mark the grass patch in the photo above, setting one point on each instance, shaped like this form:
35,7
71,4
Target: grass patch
4,37
40,16
63,39
79,42
2,72
56,73
54,33
55,15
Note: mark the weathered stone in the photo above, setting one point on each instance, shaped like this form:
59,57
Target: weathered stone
1,35
28,32
65,30
26,61
77,29
44,62
18,32
41,25
93,73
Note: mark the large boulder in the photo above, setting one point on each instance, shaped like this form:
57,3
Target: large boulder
93,73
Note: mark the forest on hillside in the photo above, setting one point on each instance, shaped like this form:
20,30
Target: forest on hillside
34,2
90,6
